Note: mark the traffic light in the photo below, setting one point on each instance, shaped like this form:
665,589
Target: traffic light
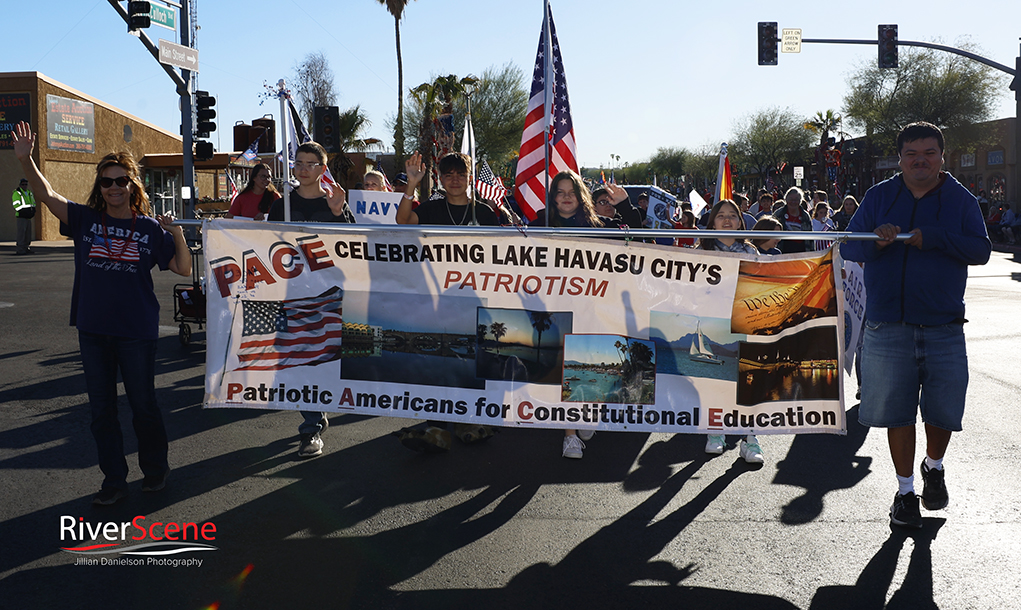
888,46
203,150
768,43
204,110
138,15
325,120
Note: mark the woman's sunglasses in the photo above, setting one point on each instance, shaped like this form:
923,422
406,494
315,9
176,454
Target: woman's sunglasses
121,181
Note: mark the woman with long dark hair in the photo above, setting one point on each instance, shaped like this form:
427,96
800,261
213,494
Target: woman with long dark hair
114,306
257,197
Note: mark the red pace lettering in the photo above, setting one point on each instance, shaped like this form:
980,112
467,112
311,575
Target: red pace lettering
226,271
256,271
315,255
289,269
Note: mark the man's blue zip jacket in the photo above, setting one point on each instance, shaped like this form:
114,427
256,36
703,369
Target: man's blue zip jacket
911,285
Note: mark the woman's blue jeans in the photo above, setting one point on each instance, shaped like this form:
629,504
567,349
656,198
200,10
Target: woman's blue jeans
102,357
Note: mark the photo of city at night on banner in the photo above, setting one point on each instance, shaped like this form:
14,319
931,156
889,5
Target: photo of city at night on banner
802,366
521,345
694,346
609,369
409,338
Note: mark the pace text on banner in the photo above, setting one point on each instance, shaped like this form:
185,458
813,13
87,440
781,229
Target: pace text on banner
508,329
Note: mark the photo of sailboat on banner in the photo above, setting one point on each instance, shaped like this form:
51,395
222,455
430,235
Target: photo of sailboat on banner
700,351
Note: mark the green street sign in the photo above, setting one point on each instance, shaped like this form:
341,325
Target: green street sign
163,16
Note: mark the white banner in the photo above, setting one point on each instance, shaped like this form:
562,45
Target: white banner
374,207
854,311
512,329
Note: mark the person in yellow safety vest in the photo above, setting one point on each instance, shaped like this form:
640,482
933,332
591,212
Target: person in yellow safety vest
24,209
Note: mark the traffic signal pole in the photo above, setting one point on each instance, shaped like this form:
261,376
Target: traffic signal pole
1015,84
184,84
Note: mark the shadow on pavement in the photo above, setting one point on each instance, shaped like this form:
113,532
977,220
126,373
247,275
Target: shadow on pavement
873,585
821,463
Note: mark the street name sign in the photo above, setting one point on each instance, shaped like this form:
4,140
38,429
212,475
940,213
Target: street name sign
163,16
179,56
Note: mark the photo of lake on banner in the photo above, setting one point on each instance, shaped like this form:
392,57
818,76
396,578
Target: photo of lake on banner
611,369
693,346
409,338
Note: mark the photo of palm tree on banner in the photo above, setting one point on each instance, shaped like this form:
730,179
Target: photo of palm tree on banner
521,345
609,369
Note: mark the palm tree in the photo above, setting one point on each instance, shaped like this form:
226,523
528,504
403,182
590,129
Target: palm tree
480,332
498,330
396,8
622,349
436,99
541,322
351,129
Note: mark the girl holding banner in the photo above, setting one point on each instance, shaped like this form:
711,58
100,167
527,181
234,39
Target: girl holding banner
726,216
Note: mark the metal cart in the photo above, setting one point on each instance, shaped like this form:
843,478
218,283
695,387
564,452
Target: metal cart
190,299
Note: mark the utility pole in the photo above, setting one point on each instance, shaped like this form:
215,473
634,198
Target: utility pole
185,85
767,31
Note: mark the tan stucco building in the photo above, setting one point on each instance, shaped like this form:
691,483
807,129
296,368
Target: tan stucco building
75,131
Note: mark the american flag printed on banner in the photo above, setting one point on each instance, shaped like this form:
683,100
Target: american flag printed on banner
296,332
530,182
488,184
113,248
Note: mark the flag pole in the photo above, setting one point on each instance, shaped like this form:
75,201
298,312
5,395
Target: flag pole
547,51
285,116
720,174
469,89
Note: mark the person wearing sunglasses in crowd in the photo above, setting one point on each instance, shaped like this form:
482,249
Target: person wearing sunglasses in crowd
114,306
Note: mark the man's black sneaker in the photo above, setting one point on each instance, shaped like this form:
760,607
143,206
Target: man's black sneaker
904,511
155,483
109,495
934,491
311,446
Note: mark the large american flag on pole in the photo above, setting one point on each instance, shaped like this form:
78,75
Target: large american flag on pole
296,332
549,106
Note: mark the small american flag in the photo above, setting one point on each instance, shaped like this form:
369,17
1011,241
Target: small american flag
113,248
296,332
488,184
548,105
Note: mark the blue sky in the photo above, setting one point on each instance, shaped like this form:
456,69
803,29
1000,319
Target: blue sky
641,75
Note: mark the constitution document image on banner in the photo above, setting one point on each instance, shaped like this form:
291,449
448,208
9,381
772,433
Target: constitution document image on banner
798,367
609,369
521,345
773,296
694,346
422,339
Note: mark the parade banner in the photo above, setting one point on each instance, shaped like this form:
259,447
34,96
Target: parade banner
374,207
854,311
513,329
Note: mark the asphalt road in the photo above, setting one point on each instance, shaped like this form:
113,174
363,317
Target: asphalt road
642,520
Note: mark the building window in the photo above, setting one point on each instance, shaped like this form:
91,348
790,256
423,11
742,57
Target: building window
997,188
164,192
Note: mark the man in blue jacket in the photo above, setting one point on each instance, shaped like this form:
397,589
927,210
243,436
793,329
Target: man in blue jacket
914,354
